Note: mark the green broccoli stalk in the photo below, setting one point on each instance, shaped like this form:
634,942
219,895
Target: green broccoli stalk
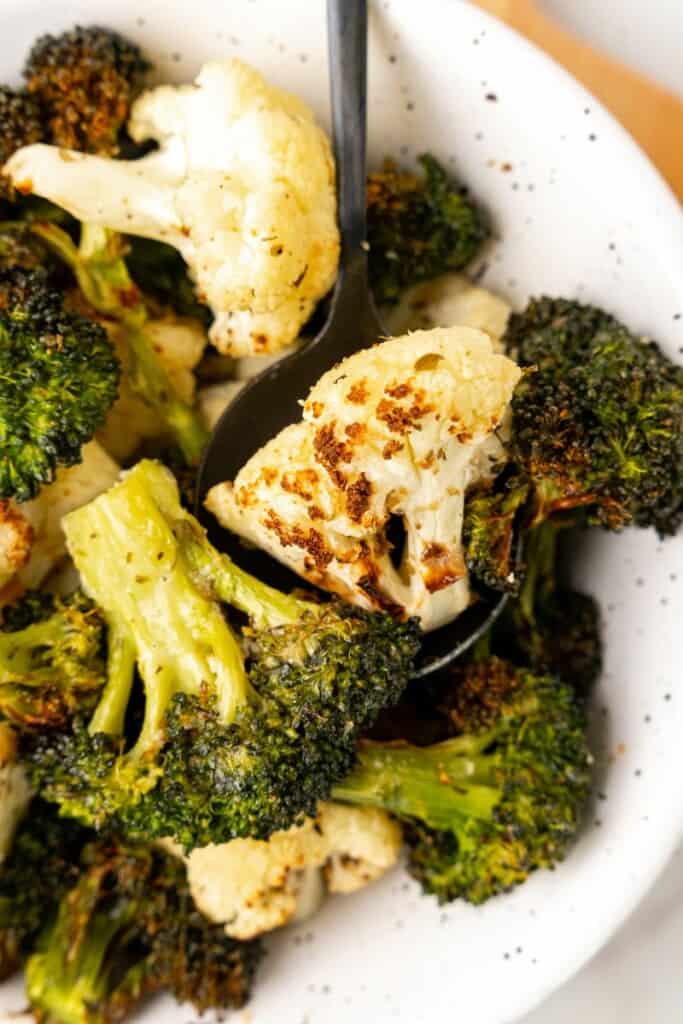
228,746
552,627
99,266
500,799
127,929
598,425
41,866
489,534
84,82
418,228
58,378
53,665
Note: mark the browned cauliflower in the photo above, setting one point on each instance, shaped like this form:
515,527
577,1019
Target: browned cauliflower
242,184
395,432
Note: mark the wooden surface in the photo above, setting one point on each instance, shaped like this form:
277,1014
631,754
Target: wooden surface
651,114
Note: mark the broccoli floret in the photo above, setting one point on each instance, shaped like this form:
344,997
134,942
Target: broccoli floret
51,659
58,378
127,929
489,534
41,866
20,248
21,124
99,266
160,271
224,749
85,81
552,627
498,800
418,228
598,425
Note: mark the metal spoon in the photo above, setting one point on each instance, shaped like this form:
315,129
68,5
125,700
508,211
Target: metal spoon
271,401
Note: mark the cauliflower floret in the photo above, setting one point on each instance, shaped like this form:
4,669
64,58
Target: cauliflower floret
214,399
41,519
449,301
179,344
400,430
16,537
242,184
15,792
254,886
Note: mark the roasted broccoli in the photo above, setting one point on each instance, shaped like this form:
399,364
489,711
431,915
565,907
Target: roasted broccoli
496,801
598,424
491,516
41,866
58,378
20,248
552,627
21,124
51,659
129,928
99,266
160,271
223,749
84,80
418,228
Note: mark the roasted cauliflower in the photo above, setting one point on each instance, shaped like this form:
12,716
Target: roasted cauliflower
32,542
395,432
254,886
451,300
242,184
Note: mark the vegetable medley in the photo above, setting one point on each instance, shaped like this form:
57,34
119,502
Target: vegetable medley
190,758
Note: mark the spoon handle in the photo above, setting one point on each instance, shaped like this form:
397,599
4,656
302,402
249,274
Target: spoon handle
347,32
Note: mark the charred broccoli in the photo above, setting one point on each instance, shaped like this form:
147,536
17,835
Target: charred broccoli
21,124
418,228
84,80
129,928
552,627
20,248
160,271
224,749
99,266
497,800
41,866
598,424
491,516
58,378
51,659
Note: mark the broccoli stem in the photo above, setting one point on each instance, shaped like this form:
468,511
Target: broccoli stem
110,714
131,562
100,269
540,557
443,785
265,606
64,986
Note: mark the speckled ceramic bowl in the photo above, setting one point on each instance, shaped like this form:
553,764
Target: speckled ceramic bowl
579,211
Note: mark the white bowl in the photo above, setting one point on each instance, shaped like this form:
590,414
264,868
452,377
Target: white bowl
580,212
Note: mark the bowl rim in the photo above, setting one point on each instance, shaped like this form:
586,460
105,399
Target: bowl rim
672,221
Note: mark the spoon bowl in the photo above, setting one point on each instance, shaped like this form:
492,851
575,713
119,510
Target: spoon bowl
271,401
